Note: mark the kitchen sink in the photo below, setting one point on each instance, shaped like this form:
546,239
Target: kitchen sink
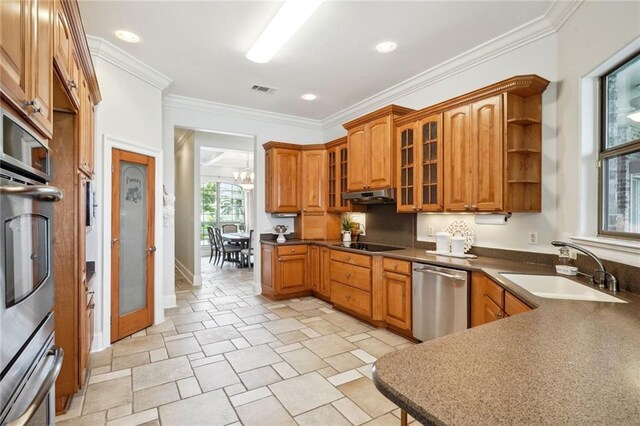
556,287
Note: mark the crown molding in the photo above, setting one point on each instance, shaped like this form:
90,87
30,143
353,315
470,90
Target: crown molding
102,49
210,107
553,19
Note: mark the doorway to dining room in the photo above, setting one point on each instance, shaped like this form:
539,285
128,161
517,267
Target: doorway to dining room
215,202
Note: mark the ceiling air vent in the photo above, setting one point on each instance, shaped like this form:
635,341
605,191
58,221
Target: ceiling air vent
263,89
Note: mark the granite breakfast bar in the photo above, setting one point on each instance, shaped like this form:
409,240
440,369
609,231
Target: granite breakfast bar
565,362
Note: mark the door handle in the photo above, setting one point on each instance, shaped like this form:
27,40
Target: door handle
442,274
152,249
45,388
114,241
39,192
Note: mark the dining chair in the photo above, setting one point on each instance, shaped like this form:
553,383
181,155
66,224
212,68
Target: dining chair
214,245
230,252
246,253
229,228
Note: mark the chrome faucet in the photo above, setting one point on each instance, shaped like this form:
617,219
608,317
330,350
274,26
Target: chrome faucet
603,277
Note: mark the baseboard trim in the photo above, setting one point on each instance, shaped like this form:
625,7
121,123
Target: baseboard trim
98,344
195,280
169,301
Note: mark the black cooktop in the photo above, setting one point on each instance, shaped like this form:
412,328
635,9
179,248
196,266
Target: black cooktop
367,247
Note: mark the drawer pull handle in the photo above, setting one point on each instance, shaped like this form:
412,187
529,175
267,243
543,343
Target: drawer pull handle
498,315
34,106
348,275
347,258
293,250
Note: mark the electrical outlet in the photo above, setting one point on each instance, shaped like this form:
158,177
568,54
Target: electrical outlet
430,231
533,237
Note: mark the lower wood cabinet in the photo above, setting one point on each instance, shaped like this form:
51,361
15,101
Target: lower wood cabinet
284,271
490,302
351,282
396,284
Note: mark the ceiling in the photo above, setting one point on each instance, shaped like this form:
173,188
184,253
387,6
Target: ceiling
201,45
220,157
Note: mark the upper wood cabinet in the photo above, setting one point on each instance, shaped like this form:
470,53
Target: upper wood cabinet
26,51
282,178
337,177
487,151
86,142
66,56
419,165
473,157
371,156
314,193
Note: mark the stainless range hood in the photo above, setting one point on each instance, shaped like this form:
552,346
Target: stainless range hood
374,196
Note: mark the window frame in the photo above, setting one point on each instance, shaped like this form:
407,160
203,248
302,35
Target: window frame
605,153
205,242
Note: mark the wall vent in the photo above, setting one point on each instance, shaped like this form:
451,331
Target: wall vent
263,89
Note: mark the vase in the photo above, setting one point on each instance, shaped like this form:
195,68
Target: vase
346,236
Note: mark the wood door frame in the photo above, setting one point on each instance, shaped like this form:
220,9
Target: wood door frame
135,322
103,340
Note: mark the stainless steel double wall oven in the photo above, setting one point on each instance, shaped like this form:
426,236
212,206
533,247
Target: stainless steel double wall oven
29,360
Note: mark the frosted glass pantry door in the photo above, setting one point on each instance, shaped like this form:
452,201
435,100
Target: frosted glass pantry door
132,243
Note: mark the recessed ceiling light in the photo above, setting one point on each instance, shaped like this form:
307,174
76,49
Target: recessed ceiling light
309,97
386,47
127,36
291,16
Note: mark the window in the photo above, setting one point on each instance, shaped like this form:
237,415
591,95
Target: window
220,204
619,199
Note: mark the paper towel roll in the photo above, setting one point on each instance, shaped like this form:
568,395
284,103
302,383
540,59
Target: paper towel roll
491,219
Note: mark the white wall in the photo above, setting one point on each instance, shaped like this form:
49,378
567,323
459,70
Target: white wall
129,116
589,44
185,213
239,121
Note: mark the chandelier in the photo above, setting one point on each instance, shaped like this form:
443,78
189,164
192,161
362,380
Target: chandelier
245,178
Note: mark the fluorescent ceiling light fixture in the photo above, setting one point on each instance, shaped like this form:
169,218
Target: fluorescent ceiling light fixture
291,16
386,47
309,97
635,116
127,36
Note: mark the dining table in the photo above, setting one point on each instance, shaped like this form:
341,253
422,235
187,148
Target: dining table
241,238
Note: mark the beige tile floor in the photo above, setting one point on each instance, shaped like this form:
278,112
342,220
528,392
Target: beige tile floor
227,356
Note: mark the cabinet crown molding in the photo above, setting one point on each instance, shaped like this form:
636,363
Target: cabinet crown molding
521,85
336,142
388,110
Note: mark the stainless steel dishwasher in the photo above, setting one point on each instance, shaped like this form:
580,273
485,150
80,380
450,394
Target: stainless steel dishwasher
439,301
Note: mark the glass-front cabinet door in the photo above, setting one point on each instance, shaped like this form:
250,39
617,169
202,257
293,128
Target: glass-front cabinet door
406,197
419,165
430,167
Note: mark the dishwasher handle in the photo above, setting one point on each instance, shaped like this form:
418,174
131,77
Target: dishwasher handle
442,274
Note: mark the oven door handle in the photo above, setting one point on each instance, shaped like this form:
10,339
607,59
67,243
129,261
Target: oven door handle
45,388
39,192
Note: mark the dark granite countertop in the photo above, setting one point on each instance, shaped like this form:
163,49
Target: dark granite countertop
565,362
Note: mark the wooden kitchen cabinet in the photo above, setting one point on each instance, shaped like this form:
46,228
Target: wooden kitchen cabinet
86,145
396,283
351,283
473,157
337,177
315,267
26,52
325,273
282,178
284,271
370,147
314,193
490,302
420,165
66,56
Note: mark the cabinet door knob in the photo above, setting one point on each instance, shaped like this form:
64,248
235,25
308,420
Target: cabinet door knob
293,250
384,274
72,84
348,275
91,306
498,315
34,106
474,207
466,206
